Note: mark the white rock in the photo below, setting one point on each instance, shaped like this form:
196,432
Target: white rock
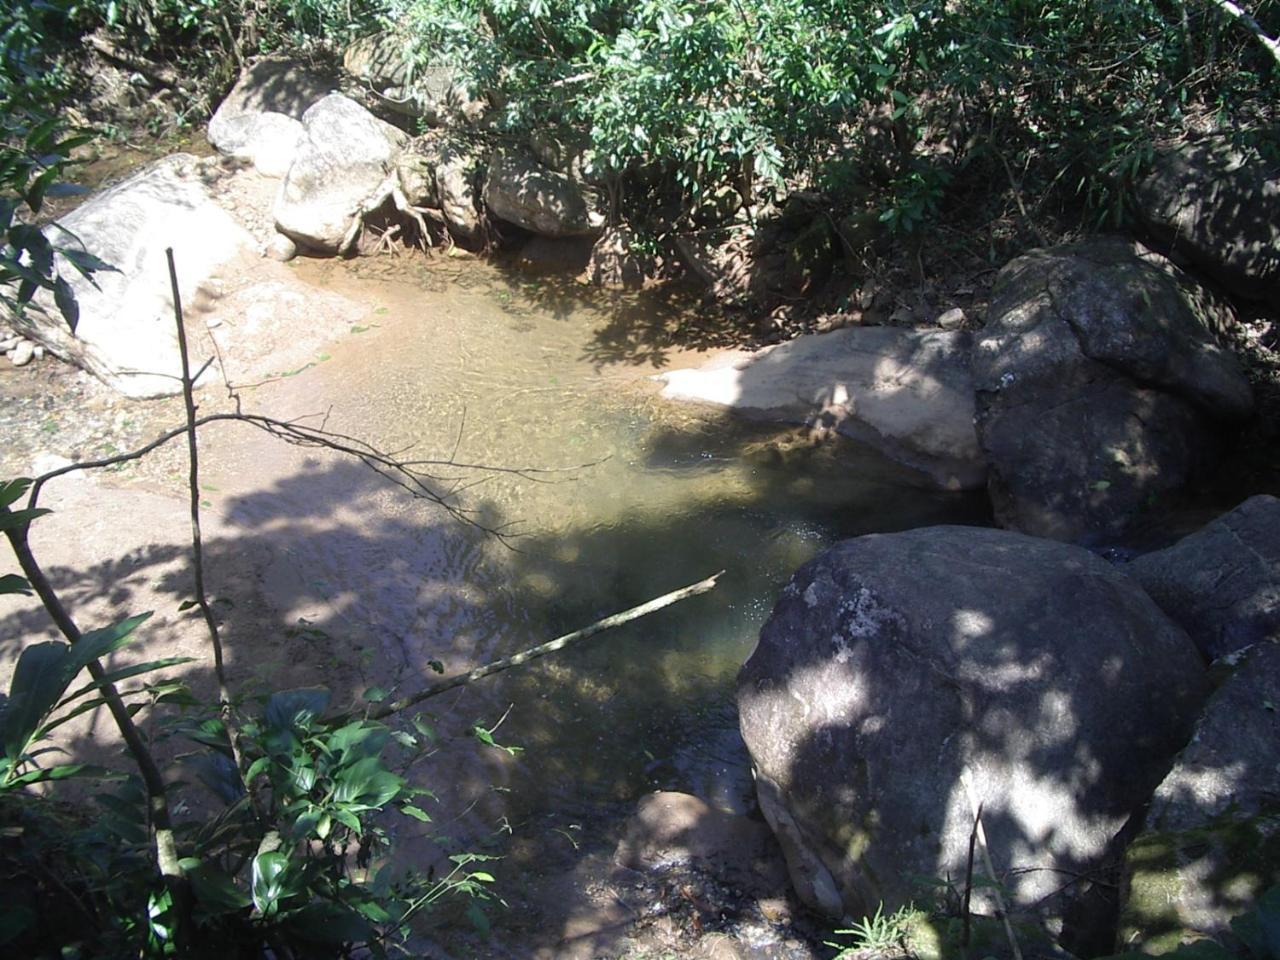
22,353
259,119
908,393
281,248
343,162
125,335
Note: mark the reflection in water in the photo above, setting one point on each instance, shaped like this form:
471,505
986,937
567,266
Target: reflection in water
477,367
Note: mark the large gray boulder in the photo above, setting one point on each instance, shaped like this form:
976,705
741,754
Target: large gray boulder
1210,845
433,93
905,679
908,393
1222,583
1217,206
1100,390
520,190
126,335
259,121
344,163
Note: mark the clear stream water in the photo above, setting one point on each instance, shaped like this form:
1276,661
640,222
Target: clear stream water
479,364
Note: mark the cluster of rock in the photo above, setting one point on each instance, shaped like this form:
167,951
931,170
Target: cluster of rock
907,682
339,163
326,167
1097,386
18,349
1112,727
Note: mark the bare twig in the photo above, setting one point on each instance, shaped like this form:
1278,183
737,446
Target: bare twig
225,709
410,475
968,878
981,833
193,487
551,646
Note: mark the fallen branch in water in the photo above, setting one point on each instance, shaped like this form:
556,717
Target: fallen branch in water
551,646
409,475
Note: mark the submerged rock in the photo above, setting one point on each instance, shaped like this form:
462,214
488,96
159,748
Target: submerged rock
905,679
1210,845
1100,390
1222,583
908,393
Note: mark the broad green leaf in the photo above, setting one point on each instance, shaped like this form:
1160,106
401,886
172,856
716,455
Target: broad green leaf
418,814
43,673
12,583
81,708
86,263
306,825
12,519
289,709
11,490
329,923
366,782
64,298
257,769
216,892
358,739
218,772
98,643
61,772
267,880
125,673
348,820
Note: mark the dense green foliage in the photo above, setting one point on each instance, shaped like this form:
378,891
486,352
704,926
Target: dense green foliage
900,108
34,148
888,102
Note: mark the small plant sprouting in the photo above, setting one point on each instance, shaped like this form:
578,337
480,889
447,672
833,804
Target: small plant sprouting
876,934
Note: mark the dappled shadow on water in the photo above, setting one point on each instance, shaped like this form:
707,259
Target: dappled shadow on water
328,576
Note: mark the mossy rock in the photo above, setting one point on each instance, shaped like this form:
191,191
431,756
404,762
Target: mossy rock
1186,885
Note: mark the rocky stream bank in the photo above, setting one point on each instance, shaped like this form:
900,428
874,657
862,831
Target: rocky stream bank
1110,721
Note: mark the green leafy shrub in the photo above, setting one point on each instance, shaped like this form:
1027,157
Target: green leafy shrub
905,103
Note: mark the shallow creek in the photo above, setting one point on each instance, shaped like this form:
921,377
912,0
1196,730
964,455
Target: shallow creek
476,364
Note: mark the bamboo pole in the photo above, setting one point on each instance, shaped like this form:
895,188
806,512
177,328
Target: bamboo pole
551,646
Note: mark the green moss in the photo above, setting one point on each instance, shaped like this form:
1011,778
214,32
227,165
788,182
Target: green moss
1183,885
